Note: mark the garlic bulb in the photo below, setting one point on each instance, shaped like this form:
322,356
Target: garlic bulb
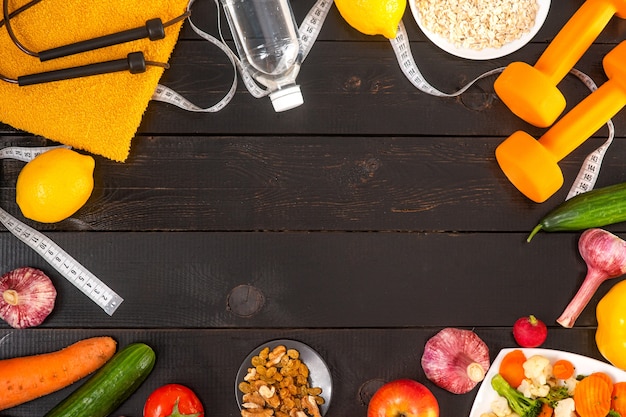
28,297
455,360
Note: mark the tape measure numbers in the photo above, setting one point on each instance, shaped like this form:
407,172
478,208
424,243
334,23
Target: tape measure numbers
25,154
60,260
590,169
312,25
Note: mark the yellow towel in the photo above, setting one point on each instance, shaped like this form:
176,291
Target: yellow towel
99,114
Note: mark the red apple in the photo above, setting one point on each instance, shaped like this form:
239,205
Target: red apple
403,398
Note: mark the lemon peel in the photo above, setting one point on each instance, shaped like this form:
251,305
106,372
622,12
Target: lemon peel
373,17
54,185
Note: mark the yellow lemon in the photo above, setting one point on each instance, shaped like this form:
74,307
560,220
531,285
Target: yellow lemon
54,185
373,17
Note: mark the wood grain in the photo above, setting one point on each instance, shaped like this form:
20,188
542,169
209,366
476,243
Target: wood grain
360,223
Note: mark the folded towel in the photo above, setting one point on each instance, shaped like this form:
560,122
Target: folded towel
99,114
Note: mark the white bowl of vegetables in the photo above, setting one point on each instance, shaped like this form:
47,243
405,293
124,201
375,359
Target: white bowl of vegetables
540,386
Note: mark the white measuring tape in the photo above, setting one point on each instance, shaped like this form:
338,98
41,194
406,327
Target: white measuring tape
67,266
26,154
590,169
309,31
167,95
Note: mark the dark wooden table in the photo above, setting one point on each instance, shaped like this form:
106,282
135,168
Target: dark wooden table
360,223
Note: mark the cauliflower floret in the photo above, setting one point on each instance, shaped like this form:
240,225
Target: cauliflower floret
538,369
500,407
524,388
565,408
571,383
530,390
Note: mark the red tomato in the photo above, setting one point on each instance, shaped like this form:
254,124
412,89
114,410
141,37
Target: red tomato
173,400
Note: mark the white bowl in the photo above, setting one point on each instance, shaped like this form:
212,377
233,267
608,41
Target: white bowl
486,53
583,366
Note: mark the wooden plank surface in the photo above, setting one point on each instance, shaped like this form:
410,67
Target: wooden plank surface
304,278
360,223
241,183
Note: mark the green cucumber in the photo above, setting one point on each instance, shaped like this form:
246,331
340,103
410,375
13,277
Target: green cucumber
595,208
110,385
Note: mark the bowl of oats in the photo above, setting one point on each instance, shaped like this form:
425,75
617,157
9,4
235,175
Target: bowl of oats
480,29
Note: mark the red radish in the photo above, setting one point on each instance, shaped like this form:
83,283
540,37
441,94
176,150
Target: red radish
605,256
530,332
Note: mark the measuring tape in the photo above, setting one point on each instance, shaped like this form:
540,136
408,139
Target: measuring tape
590,169
67,266
26,154
167,95
309,31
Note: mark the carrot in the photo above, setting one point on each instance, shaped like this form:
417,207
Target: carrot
25,378
606,378
563,369
512,367
618,398
546,410
592,396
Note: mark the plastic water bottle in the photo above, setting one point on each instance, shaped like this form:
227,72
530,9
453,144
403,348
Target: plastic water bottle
268,44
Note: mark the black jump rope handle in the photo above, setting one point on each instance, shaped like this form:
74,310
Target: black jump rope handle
134,62
153,30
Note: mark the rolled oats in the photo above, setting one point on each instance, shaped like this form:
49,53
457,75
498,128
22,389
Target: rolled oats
478,24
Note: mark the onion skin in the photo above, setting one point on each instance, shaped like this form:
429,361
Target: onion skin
605,256
27,297
455,360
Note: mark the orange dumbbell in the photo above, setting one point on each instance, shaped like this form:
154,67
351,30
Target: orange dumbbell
532,165
531,93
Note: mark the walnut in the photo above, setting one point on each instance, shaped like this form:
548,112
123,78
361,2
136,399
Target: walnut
294,412
310,405
257,412
254,398
276,356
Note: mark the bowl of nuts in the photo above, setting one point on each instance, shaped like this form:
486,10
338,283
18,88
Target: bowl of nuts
283,378
480,29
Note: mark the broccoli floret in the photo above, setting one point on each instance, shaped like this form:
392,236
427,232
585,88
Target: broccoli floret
523,406
556,394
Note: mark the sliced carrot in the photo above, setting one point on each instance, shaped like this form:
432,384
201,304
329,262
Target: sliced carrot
606,377
546,410
592,396
563,369
512,367
25,378
618,398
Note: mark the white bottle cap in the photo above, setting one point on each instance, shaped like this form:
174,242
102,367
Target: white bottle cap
286,98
